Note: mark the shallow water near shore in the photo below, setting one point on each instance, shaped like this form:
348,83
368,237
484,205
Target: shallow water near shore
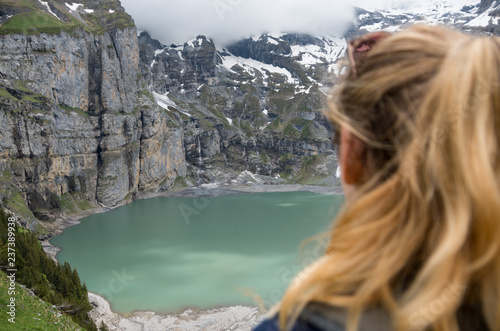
167,254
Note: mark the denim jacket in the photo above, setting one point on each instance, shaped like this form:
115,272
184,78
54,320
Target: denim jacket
320,317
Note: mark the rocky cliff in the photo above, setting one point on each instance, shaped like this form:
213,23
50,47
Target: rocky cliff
255,106
78,126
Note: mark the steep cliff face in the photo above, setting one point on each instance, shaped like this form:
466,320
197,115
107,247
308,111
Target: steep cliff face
255,106
78,125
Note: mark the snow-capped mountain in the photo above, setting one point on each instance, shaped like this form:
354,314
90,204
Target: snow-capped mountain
264,95
255,104
476,18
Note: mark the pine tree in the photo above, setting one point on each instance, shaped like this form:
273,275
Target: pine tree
54,283
103,327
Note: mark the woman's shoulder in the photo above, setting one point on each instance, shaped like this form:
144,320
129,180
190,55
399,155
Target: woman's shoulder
272,324
319,317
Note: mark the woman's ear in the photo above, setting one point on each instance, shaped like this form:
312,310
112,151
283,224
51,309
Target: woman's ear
351,157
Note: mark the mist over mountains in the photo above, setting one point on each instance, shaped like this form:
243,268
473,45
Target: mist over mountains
227,21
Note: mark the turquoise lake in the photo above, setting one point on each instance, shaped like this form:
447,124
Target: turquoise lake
169,254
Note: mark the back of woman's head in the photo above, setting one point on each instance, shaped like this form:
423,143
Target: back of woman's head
426,222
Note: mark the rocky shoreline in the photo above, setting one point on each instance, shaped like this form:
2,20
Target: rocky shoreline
225,318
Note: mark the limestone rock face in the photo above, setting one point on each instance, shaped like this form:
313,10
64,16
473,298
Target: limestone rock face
178,68
78,126
162,156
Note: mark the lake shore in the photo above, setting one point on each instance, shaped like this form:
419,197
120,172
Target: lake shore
218,319
224,318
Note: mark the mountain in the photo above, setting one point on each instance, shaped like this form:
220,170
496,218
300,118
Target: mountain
78,126
256,104
253,106
476,19
94,114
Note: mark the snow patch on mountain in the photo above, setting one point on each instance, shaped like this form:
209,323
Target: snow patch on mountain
46,5
195,42
272,41
159,51
333,49
166,103
406,13
252,66
303,90
485,19
73,6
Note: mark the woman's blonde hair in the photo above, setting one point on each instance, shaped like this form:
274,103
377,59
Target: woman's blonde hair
422,237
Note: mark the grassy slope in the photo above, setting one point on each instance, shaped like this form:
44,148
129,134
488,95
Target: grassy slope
34,20
32,313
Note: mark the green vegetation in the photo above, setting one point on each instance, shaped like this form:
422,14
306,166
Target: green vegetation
305,133
102,20
286,157
21,86
307,161
171,123
281,103
180,182
274,124
296,128
276,80
33,98
31,314
305,127
246,127
17,204
286,162
5,177
21,94
287,176
18,4
34,21
263,157
58,284
248,88
72,203
5,94
243,75
219,115
307,174
75,110
290,131
146,93
179,103
211,97
296,69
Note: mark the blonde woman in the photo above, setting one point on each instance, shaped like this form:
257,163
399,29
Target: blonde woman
416,247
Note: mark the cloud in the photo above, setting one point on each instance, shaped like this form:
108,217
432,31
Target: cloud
176,21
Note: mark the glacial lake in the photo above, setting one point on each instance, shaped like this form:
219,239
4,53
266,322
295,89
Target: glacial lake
169,254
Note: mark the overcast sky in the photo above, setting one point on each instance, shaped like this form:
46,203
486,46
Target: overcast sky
177,21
